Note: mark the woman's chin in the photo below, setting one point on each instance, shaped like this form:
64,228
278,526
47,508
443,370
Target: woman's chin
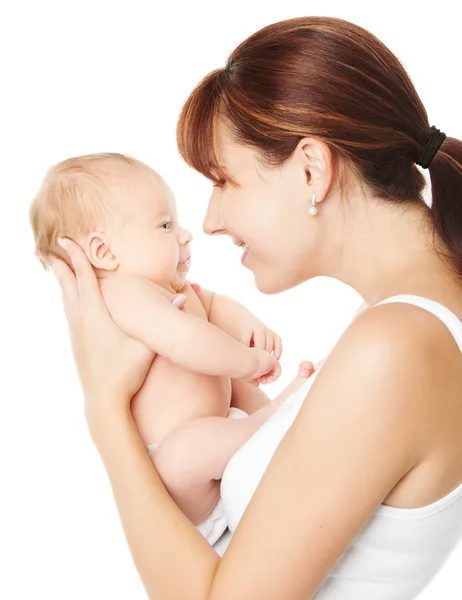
270,284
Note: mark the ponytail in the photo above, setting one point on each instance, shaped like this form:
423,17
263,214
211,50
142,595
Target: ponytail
446,183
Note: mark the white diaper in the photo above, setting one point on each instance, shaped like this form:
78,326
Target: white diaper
215,524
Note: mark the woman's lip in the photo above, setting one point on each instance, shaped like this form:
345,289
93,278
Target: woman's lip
244,254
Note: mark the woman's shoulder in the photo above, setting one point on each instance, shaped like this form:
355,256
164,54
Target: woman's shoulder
397,321
415,333
385,362
396,357
402,336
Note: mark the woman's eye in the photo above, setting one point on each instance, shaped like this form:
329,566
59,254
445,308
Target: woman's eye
166,225
221,183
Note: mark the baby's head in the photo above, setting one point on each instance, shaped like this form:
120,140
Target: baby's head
122,214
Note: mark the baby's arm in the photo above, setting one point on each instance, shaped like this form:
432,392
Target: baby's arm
232,317
142,310
224,312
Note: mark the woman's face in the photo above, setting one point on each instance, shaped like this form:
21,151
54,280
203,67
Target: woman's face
268,214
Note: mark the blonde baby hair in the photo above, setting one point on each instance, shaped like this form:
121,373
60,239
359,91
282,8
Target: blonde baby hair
75,198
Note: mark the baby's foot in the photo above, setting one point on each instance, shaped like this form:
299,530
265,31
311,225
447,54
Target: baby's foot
305,369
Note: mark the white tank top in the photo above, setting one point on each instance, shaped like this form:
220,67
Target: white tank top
399,551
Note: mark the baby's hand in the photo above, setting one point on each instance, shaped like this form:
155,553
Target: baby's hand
257,335
268,368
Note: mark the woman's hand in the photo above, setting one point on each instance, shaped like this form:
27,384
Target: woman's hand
111,365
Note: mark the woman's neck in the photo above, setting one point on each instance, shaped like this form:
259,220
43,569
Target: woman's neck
388,249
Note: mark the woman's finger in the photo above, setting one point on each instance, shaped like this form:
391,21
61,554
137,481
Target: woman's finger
90,297
68,284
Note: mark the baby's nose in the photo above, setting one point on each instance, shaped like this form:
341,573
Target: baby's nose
186,236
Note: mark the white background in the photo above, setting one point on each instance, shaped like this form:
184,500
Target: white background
81,77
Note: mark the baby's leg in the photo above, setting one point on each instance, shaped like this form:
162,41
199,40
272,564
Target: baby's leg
247,397
305,370
191,460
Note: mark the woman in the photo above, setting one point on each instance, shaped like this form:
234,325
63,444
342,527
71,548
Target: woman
311,135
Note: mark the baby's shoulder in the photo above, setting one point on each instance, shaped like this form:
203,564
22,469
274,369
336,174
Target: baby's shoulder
198,300
125,290
196,294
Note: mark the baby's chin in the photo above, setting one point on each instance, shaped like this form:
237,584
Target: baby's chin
178,285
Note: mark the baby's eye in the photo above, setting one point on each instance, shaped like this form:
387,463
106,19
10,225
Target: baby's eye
167,225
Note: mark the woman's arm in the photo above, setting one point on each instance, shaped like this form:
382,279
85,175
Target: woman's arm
173,560
331,470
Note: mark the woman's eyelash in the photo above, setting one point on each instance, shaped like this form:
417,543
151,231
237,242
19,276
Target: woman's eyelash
220,183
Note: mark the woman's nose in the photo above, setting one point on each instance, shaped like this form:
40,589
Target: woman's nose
213,224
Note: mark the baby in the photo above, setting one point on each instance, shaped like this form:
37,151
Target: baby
196,407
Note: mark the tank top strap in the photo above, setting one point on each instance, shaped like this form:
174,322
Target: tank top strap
452,322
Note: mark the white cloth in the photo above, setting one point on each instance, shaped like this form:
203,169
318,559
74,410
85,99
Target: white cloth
399,551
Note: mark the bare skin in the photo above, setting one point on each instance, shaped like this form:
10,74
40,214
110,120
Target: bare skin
380,383
192,458
141,257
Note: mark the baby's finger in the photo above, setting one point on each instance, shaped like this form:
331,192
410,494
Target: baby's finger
246,338
89,293
196,287
276,371
259,339
277,347
270,341
273,375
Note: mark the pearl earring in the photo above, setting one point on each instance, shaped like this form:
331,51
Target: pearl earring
313,210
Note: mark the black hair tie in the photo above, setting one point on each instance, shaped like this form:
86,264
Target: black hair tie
430,147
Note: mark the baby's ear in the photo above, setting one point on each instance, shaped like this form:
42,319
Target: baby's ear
98,251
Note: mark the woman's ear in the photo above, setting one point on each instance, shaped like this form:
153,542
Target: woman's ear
99,252
317,158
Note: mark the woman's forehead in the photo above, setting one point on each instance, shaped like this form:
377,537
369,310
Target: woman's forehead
232,155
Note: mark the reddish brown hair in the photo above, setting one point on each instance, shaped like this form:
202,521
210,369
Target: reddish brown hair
327,78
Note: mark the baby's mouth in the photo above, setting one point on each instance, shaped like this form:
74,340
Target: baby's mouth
185,264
